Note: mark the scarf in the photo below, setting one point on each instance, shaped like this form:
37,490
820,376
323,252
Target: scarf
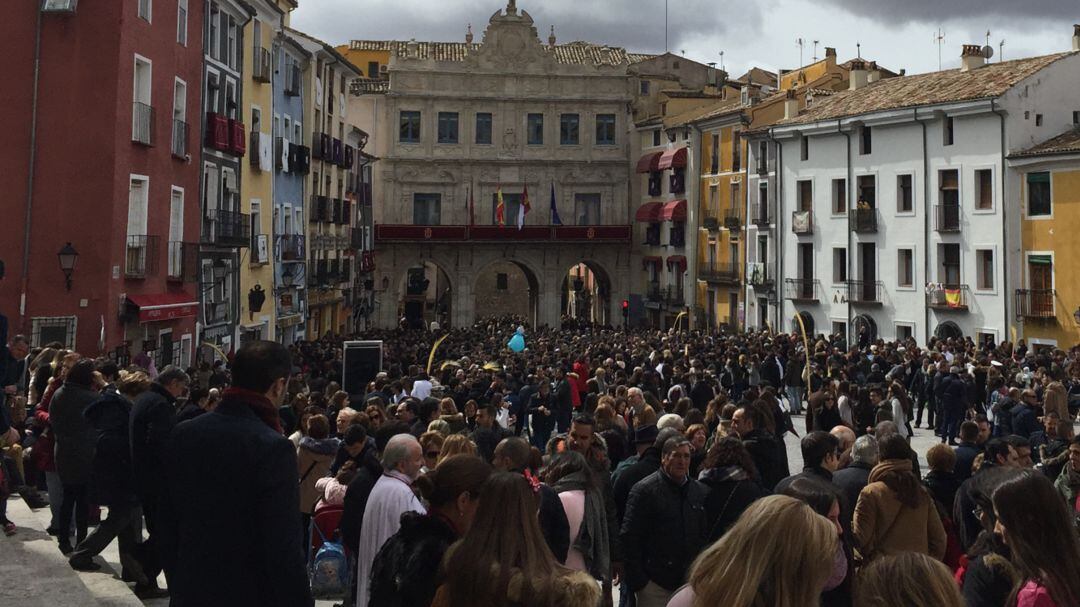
258,403
1074,476
723,474
897,476
593,540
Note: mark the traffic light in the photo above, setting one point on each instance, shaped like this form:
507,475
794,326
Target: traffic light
625,308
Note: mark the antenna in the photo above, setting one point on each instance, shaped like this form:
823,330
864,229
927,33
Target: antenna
666,26
858,50
816,42
1001,50
800,42
939,40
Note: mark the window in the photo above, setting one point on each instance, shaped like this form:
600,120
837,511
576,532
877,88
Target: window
228,54
1038,119
904,332
145,7
605,129
737,203
587,209
448,127
176,232
949,181
500,281
230,98
715,164
865,140
839,328
949,270
839,196
644,87
763,202
46,330
426,209
256,230
181,22
535,129
142,114
1038,195
984,260
804,148
511,203
212,31
409,127
763,157
138,201
736,151
839,264
568,130
984,189
1076,117
373,69
483,128
805,195
714,200
656,137
905,268
867,190
904,194
947,132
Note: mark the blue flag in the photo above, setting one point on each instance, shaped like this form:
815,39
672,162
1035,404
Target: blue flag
555,221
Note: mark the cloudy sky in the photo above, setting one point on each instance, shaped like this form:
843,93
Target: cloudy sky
896,33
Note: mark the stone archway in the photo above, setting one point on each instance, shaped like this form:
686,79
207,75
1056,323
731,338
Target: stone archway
807,322
864,329
947,330
425,295
507,286
585,293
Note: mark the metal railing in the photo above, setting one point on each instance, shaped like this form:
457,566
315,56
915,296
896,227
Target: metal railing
865,291
733,220
947,297
802,289
142,123
140,258
863,221
229,229
761,215
720,271
291,247
179,138
947,217
183,261
1035,303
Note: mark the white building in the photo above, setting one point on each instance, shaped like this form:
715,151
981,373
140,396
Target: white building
896,211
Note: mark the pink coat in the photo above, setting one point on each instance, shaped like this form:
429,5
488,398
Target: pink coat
332,491
1034,594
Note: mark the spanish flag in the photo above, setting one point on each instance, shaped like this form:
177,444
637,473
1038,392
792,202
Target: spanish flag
952,298
500,208
524,208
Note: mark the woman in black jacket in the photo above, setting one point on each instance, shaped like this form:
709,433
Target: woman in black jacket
733,483
405,572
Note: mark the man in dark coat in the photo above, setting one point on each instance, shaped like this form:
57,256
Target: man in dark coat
229,523
821,457
765,450
966,451
952,395
564,400
647,463
853,478
153,417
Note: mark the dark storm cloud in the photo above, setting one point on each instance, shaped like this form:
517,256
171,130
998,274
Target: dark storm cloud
637,25
940,11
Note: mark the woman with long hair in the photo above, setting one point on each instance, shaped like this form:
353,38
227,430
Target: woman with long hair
456,444
1035,524
733,481
895,512
503,559
824,498
908,578
778,554
405,570
578,487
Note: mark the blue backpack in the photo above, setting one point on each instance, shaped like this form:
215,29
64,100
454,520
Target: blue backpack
329,569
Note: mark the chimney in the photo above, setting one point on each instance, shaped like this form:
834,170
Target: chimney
830,51
971,58
710,75
791,105
1076,37
468,35
875,73
858,75
551,38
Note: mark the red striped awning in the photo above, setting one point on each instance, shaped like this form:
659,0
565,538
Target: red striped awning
673,211
672,159
648,260
649,162
164,306
649,212
678,261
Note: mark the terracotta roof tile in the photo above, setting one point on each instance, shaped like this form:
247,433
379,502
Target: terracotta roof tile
932,88
579,53
1065,143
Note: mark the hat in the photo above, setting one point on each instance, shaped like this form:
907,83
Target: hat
645,435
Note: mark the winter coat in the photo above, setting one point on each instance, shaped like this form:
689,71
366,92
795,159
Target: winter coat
664,529
965,459
765,451
313,459
75,436
152,419
648,463
113,480
884,525
405,572
1024,421
731,492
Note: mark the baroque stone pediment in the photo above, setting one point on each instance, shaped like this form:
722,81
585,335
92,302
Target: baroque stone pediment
511,41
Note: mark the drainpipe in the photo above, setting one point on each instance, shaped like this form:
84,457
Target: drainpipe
746,228
693,195
850,176
778,244
926,223
25,278
1004,225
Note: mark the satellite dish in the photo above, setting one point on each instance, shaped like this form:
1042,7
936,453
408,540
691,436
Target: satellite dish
987,51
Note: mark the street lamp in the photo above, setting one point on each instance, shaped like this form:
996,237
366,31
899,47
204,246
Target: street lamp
68,256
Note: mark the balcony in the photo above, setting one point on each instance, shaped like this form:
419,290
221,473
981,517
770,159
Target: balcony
1035,303
802,222
183,261
948,297
179,139
217,132
142,123
733,220
759,277
141,257
863,221
677,184
802,290
947,217
723,272
668,296
261,67
762,165
710,220
215,312
762,217
229,229
318,209
462,233
865,292
291,247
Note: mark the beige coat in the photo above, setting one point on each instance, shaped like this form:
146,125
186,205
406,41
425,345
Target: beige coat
883,525
313,458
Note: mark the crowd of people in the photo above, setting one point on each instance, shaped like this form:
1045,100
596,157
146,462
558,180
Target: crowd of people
596,459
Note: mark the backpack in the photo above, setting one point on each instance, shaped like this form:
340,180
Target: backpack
329,572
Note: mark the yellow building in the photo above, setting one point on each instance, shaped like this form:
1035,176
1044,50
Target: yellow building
257,316
1048,272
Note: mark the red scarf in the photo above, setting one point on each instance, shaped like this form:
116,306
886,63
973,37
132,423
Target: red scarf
259,404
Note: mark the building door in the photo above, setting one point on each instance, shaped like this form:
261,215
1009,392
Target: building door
165,349
949,271
763,312
806,270
1041,281
733,310
710,308
868,273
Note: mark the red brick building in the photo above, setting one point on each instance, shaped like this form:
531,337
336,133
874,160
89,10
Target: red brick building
110,164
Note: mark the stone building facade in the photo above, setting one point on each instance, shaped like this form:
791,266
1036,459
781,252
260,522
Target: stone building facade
460,123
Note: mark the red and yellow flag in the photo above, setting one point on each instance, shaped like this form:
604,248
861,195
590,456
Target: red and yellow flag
500,208
524,209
